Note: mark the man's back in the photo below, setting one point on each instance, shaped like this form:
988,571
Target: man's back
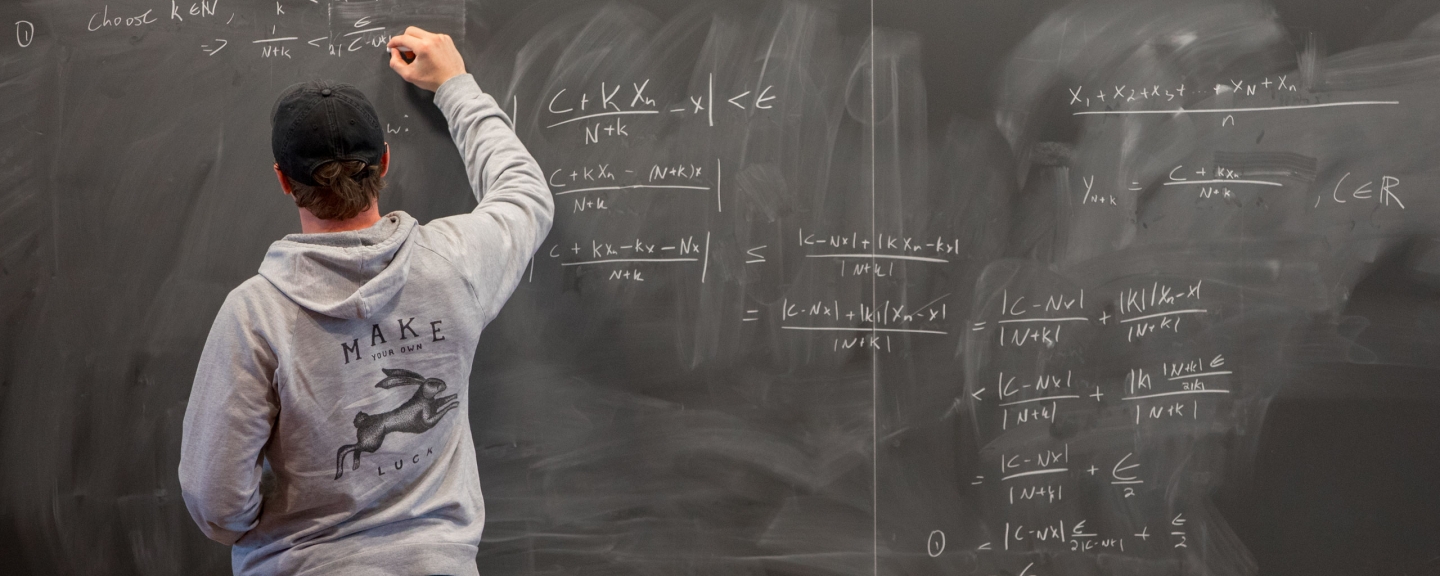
345,363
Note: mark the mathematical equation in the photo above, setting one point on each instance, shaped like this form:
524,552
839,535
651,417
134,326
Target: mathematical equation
601,112
1086,400
1223,183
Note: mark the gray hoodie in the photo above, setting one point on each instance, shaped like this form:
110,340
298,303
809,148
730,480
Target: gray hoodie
345,365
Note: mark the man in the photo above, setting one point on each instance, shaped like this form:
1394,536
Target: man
344,365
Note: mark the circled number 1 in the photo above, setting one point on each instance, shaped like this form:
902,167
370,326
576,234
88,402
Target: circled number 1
24,33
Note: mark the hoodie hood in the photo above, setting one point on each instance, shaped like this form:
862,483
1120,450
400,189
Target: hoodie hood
343,274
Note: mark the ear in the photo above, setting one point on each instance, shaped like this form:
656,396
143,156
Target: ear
401,373
398,381
385,161
284,182
395,377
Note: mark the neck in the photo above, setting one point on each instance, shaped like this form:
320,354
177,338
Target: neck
309,224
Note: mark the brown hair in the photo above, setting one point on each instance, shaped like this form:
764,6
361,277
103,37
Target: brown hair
346,188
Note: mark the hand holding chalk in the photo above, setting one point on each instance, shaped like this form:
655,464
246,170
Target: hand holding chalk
425,59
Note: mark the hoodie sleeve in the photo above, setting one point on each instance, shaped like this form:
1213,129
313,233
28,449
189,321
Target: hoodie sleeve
493,244
227,423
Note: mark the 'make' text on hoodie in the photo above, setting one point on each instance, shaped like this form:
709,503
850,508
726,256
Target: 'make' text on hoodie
377,337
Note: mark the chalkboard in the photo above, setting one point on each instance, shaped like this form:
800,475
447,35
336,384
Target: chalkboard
1032,288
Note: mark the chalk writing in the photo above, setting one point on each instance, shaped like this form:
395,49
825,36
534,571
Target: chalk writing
24,33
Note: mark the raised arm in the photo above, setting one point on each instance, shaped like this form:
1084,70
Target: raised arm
515,208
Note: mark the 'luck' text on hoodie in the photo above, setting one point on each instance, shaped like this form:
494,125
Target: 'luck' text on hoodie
345,364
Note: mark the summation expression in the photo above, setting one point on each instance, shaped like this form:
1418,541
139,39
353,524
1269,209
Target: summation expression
1267,94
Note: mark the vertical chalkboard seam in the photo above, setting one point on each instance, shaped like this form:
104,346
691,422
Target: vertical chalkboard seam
874,354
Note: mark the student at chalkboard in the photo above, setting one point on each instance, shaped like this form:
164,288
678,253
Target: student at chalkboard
344,364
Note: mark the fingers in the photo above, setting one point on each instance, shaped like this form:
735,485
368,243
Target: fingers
422,34
424,58
409,41
396,62
414,38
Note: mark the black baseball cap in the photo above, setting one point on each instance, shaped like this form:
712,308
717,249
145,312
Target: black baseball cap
319,121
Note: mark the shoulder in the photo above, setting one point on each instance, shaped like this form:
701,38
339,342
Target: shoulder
446,242
255,291
454,238
258,304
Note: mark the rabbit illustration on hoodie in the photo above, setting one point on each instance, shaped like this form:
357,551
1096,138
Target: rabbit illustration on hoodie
418,414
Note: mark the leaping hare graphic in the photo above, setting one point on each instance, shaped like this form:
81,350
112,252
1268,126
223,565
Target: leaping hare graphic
418,414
